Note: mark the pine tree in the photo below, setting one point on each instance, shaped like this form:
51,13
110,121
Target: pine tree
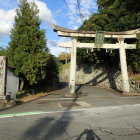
27,49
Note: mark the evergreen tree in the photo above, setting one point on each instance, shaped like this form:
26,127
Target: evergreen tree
2,51
27,49
113,15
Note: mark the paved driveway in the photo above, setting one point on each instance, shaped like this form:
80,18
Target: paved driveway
100,114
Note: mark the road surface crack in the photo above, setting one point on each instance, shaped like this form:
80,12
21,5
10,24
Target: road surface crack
112,133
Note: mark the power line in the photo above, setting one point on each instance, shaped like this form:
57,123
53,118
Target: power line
69,8
80,14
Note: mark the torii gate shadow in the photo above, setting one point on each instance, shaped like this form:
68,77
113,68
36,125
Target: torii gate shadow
50,128
109,75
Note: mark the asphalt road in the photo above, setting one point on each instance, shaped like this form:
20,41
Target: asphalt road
98,114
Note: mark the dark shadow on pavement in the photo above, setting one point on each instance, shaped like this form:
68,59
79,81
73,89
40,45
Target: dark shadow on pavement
90,135
51,134
63,84
49,128
52,128
78,89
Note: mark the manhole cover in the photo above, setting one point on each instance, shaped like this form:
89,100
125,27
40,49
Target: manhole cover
67,104
70,104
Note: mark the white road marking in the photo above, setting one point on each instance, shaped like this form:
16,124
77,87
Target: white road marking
73,110
83,104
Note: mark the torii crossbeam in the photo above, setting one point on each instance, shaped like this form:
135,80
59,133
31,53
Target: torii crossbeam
74,34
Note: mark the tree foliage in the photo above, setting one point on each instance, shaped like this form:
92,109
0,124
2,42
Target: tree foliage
27,48
2,51
64,56
113,15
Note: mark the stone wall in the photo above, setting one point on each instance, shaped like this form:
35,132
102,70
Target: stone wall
98,76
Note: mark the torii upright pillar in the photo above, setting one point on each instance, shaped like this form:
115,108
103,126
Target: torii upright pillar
126,86
73,66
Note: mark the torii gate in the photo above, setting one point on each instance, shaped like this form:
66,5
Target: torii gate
74,34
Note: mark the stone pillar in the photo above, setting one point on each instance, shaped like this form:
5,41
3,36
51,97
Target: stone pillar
3,75
73,66
126,86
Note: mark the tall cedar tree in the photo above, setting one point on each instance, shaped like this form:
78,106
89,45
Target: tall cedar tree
27,49
113,15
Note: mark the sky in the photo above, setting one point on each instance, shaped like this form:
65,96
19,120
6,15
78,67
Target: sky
64,13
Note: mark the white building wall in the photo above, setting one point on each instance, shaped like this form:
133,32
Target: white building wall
12,85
